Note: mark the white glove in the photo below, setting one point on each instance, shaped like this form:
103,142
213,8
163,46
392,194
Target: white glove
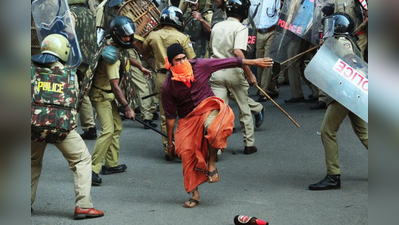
100,36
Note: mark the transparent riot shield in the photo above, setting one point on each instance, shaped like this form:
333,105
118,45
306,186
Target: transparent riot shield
294,24
322,8
54,17
342,75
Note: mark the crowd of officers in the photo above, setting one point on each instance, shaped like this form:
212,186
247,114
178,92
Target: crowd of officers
194,25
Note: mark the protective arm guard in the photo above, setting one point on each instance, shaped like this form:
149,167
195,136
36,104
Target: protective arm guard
110,54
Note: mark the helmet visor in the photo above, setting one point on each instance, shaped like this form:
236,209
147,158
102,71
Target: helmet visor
127,30
238,2
192,1
328,27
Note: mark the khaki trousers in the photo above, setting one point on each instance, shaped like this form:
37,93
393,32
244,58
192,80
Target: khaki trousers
362,42
86,114
232,81
160,80
333,118
263,46
141,89
107,144
74,150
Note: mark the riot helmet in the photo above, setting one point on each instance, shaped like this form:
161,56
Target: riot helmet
342,23
238,8
172,16
122,26
56,45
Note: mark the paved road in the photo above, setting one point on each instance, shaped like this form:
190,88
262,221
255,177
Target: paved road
270,184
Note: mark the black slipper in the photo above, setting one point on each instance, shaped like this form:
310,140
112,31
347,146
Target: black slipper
190,201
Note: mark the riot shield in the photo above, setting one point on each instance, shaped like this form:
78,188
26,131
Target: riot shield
54,17
321,9
342,75
294,24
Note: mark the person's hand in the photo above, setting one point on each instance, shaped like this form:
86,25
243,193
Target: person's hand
129,113
197,15
252,80
146,72
264,62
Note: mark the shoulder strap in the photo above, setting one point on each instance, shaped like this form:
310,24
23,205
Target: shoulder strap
251,18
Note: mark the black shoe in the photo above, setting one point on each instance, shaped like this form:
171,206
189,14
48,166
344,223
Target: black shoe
250,149
95,179
312,99
262,98
295,100
168,158
273,96
259,118
149,123
137,110
90,134
319,105
284,82
329,182
234,130
155,116
105,170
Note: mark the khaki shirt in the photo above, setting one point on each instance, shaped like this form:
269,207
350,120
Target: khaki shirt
227,36
104,73
158,41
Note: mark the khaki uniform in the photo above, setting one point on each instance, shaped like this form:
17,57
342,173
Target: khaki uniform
263,47
86,115
335,115
75,151
142,88
353,9
103,100
225,37
156,43
196,32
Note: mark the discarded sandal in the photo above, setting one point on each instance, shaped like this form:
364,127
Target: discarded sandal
189,203
211,175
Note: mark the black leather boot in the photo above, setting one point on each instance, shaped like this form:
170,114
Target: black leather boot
105,170
95,179
329,182
149,123
90,134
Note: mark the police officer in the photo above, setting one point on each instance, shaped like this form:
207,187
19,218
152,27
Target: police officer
232,81
106,11
336,113
85,28
194,21
55,50
103,93
266,18
358,12
140,76
156,44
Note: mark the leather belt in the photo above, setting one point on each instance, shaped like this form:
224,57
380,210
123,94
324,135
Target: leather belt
267,30
162,71
107,91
